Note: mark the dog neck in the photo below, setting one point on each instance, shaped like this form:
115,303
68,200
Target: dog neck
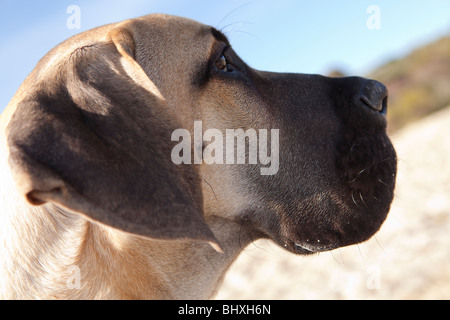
49,253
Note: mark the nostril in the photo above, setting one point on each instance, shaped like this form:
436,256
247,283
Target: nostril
374,95
378,107
370,104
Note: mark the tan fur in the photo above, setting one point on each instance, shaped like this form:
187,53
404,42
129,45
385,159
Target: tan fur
113,264
93,208
38,244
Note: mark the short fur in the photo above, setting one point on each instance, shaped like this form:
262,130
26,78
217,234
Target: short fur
88,182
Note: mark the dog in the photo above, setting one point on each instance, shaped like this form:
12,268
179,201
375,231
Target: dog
93,207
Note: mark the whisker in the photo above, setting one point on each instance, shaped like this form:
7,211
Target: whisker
360,195
233,23
354,201
342,258
248,33
334,258
357,176
376,239
387,159
359,250
233,11
355,143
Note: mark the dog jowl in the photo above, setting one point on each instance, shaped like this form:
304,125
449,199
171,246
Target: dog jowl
337,167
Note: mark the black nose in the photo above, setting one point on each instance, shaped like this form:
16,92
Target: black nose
373,95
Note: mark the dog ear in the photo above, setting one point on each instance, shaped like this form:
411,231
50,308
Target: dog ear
94,137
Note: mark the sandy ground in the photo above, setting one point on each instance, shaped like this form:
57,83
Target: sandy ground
409,258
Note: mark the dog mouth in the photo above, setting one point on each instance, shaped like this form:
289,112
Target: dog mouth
310,247
353,209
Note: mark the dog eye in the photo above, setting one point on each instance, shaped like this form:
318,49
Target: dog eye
222,64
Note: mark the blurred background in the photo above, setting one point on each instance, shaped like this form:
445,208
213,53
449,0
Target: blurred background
405,44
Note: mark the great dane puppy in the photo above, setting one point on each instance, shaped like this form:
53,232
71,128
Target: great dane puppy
94,206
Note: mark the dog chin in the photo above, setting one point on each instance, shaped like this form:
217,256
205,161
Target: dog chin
351,226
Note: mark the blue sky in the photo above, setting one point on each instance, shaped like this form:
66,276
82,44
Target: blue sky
303,36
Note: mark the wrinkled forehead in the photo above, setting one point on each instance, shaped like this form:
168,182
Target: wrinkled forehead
174,47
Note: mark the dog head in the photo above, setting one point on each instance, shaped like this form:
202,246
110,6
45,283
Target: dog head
301,159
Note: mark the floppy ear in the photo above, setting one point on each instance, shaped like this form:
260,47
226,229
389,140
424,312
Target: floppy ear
94,137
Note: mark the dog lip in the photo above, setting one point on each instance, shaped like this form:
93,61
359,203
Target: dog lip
301,248
309,247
